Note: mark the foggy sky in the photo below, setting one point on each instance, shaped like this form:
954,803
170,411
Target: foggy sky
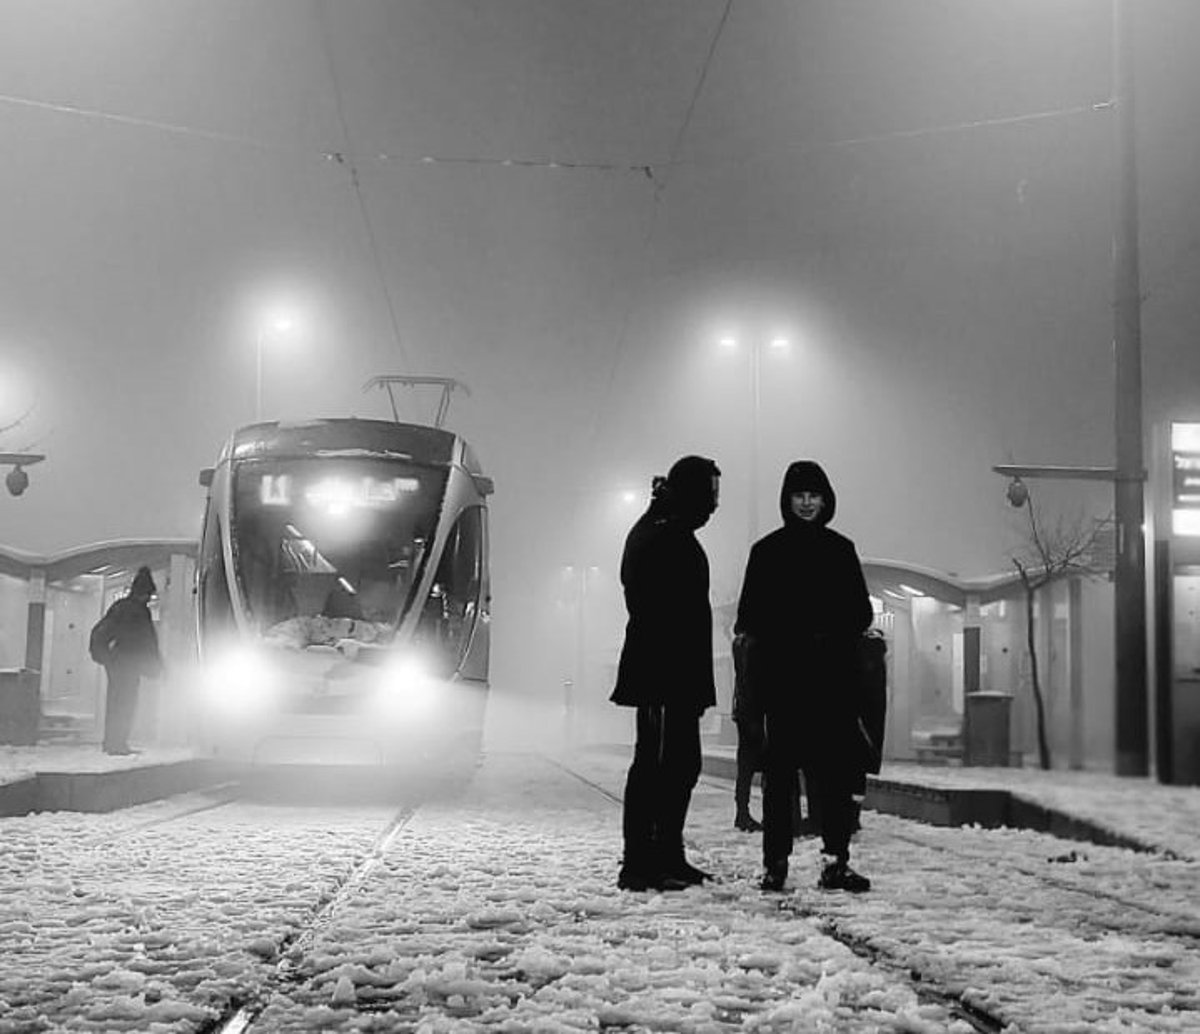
945,289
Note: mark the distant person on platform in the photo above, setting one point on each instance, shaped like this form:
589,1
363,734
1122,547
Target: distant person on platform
666,672
803,609
125,642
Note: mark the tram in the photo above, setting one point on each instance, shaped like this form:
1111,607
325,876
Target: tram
342,589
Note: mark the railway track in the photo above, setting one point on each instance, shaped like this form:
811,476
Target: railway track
288,972
241,1013
924,987
1184,926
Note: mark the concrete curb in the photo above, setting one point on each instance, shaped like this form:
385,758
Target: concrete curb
989,808
104,791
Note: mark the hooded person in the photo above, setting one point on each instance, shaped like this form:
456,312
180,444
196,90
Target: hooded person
802,610
125,642
666,672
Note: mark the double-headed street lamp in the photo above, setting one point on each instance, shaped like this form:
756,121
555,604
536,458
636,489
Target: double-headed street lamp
756,348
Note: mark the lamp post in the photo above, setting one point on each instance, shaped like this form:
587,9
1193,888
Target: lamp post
1132,722
756,349
1128,475
279,325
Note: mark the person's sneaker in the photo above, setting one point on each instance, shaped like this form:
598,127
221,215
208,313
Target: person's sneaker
774,876
747,824
838,875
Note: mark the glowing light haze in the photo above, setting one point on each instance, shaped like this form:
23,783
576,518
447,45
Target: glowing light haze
565,205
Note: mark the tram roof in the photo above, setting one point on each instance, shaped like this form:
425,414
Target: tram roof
350,436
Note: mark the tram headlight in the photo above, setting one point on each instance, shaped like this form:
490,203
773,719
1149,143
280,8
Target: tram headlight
242,681
406,687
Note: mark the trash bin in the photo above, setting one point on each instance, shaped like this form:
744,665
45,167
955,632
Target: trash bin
20,706
986,728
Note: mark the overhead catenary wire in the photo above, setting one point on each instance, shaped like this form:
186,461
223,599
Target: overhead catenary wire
348,163
655,171
645,249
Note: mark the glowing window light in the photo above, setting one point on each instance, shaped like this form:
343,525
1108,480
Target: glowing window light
1185,437
275,490
1185,522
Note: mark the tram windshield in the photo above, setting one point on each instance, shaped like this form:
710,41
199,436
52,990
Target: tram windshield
346,542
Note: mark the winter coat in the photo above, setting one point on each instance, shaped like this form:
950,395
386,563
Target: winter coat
124,640
667,656
803,609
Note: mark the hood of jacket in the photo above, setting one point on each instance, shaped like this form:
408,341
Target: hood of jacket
806,476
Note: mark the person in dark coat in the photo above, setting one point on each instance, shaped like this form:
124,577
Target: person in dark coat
803,608
666,672
125,642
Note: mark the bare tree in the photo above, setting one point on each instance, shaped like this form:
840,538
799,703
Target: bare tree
1054,549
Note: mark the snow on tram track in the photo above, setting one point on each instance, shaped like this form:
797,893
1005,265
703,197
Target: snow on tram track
925,988
242,1012
1175,924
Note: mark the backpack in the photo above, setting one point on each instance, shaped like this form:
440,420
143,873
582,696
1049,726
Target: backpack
100,641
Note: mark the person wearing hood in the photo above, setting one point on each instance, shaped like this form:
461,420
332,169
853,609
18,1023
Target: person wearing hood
666,672
802,610
125,642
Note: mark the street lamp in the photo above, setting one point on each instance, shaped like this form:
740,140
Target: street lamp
776,344
276,326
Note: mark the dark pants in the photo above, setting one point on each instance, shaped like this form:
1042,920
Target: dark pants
120,703
751,746
751,758
658,789
830,790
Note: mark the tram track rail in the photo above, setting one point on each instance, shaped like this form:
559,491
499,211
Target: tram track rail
926,990
830,922
243,1011
222,795
1188,922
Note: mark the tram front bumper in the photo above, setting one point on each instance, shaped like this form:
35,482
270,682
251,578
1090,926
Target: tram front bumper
383,716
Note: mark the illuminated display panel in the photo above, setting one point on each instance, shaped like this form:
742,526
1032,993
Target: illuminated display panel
1185,479
336,494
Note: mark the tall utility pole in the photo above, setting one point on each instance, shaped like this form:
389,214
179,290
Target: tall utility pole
1132,722
1132,746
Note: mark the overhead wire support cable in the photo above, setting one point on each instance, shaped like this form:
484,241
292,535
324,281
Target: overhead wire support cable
900,135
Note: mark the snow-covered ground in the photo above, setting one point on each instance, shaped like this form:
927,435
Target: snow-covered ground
1167,817
498,910
18,763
